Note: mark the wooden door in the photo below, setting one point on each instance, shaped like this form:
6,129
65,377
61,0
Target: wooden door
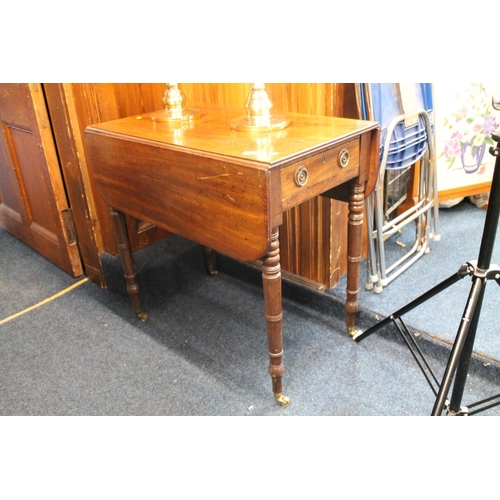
33,203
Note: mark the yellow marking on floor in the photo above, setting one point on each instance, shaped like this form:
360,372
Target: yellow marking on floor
45,301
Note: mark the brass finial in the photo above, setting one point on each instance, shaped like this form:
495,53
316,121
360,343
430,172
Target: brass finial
174,101
259,117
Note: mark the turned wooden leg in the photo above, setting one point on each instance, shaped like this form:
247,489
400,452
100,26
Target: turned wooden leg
271,279
355,237
121,236
210,261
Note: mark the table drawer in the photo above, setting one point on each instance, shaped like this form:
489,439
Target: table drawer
321,172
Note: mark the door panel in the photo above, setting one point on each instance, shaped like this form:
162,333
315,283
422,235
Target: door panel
33,203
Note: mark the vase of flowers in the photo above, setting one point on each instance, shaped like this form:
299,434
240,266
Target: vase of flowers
470,128
471,156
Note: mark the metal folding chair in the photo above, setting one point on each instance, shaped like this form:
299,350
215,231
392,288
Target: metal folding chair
404,113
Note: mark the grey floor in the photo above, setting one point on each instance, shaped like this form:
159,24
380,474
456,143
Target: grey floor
203,350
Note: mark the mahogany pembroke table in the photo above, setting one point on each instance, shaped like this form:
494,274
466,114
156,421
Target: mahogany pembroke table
227,189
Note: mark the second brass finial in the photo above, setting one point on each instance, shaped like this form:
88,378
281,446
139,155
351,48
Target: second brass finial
174,101
259,117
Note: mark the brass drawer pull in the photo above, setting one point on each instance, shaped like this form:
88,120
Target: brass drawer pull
301,176
344,158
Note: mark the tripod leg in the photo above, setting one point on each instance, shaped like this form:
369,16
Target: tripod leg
464,362
468,316
463,271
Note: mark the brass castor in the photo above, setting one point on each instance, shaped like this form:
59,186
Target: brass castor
282,400
353,332
142,316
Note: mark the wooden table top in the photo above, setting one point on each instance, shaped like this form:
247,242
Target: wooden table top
211,133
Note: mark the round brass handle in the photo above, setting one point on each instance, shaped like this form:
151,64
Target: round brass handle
344,158
301,176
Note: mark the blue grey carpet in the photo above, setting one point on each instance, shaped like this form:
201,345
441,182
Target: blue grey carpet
203,350
25,277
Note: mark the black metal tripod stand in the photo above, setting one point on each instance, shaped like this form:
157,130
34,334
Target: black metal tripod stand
459,361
